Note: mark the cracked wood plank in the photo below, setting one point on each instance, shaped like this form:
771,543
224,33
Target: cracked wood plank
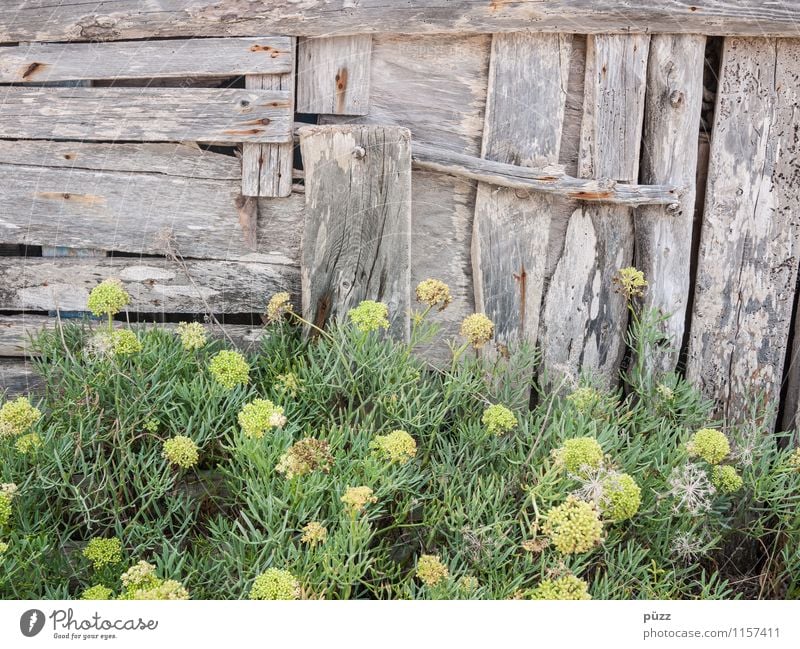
357,236
528,78
583,320
18,378
207,57
267,168
669,155
146,114
748,258
51,20
333,75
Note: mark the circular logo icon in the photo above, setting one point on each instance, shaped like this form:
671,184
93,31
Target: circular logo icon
31,622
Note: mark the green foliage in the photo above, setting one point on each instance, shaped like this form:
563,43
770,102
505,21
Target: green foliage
343,465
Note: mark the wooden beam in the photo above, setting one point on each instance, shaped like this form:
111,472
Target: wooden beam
750,238
267,168
584,320
209,57
134,197
124,19
155,285
669,155
357,236
549,179
146,114
528,78
18,378
333,75
16,332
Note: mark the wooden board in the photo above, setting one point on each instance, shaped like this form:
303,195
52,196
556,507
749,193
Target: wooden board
146,114
584,319
524,115
17,378
125,19
155,285
208,57
747,264
669,155
131,197
333,75
357,235
16,332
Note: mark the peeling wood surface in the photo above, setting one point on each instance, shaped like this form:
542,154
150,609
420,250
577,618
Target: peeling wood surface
146,114
524,114
48,20
155,285
196,57
747,266
333,75
18,378
267,168
669,155
133,197
584,319
357,235
16,332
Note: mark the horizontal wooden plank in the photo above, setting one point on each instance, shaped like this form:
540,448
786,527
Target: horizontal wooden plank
155,285
130,198
17,378
47,20
146,114
16,332
38,62
546,180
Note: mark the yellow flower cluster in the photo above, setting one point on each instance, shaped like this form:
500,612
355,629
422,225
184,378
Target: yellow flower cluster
794,459
433,292
726,479
289,384
103,552
229,369
279,305
168,589
305,456
314,533
709,444
477,329
192,335
369,316
108,298
398,447
574,526
97,592
139,576
622,497
468,584
17,416
568,587
585,399
28,444
357,498
579,454
259,416
181,451
275,584
124,342
5,509
140,582
630,282
430,570
498,419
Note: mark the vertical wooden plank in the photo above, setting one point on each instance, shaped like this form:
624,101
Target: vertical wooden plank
584,320
747,265
357,234
333,75
669,156
267,168
528,78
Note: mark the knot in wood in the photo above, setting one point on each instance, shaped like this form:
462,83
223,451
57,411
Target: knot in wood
675,98
359,153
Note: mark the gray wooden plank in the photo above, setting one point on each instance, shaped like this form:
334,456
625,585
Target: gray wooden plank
267,168
524,115
131,198
124,19
16,332
18,378
155,285
749,242
584,319
333,75
669,155
146,114
209,57
357,235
